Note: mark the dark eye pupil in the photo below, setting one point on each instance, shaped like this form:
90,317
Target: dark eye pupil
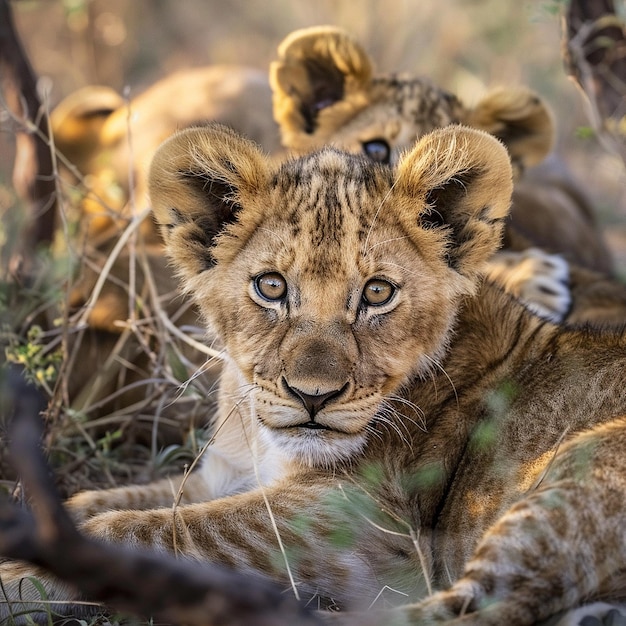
378,292
271,286
377,150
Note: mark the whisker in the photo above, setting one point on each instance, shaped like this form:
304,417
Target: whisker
391,413
378,210
384,417
402,267
380,243
420,420
443,371
275,234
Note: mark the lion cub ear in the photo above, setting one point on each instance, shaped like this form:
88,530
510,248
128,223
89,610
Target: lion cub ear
456,184
520,119
199,180
320,72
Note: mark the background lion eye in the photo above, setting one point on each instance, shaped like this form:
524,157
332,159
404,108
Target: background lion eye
377,292
377,150
271,286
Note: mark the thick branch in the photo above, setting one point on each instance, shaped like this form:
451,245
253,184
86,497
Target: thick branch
595,57
33,176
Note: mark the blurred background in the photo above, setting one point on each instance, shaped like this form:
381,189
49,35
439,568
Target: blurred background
464,45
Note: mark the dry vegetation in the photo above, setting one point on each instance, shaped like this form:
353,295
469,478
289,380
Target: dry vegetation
94,434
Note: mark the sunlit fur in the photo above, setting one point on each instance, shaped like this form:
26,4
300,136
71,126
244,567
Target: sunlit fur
325,91
468,445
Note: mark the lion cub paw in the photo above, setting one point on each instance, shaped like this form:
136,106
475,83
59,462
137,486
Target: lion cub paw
595,614
538,279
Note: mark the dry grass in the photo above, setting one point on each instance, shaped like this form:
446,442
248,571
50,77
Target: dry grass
110,419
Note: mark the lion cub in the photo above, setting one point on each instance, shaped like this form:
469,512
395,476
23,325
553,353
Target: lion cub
397,425
323,90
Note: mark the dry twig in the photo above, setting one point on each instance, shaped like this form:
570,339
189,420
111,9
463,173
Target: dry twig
33,175
595,57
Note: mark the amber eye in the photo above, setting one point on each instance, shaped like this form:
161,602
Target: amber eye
378,292
271,286
377,150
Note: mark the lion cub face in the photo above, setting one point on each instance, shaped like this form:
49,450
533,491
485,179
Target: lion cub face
331,280
325,92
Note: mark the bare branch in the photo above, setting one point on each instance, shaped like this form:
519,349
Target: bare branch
595,57
33,172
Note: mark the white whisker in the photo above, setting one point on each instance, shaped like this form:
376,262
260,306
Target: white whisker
386,416
380,243
443,371
402,267
274,234
378,210
420,420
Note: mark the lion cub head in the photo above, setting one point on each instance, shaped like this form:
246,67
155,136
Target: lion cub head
325,92
331,280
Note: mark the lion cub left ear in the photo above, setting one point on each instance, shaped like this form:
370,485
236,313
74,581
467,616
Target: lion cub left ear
199,180
520,119
453,192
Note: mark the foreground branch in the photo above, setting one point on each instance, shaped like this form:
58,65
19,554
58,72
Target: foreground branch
147,585
33,172
595,57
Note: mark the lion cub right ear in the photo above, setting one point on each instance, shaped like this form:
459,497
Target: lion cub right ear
520,119
320,72
77,121
198,181
456,184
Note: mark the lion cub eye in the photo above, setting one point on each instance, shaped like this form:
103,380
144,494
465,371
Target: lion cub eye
378,292
271,286
377,150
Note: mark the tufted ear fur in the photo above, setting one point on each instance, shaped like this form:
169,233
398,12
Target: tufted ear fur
319,71
77,121
462,180
520,119
199,178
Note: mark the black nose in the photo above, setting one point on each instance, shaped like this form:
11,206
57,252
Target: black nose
313,403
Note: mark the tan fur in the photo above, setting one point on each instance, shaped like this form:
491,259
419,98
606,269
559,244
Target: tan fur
440,437
113,141
110,142
324,92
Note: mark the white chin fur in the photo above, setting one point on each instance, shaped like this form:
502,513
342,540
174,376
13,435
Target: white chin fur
315,448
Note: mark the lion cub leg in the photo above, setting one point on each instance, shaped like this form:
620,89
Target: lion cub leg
562,545
236,461
162,493
241,532
218,476
540,280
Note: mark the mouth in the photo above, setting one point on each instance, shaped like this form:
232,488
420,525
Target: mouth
311,425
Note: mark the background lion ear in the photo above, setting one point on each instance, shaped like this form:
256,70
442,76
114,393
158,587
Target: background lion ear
197,182
317,68
460,183
520,119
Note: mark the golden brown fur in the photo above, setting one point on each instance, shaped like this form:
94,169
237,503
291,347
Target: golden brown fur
408,426
325,92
